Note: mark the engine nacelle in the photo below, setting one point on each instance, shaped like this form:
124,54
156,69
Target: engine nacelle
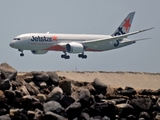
39,51
74,47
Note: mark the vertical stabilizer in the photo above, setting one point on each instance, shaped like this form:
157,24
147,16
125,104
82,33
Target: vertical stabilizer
125,25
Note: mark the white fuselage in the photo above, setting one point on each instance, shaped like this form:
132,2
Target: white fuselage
45,41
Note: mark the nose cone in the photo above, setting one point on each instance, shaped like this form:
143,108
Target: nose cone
11,44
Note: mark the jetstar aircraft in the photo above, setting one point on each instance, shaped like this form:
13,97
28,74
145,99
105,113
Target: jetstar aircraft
41,43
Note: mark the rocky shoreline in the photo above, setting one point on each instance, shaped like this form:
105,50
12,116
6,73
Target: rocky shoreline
47,96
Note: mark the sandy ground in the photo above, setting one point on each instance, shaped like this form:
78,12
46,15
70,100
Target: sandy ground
117,79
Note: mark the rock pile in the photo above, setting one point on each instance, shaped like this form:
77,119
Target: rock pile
47,96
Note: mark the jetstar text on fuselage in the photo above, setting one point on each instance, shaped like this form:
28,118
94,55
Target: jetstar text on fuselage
41,39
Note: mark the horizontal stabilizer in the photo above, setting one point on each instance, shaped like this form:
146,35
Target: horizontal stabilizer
125,41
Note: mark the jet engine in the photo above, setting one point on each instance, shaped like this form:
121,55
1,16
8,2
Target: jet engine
74,47
39,51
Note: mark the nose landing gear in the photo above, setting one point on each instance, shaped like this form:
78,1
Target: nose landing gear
21,54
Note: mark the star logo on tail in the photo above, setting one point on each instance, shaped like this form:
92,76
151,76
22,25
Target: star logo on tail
54,38
127,24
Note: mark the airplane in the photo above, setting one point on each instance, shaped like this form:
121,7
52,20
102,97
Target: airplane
41,43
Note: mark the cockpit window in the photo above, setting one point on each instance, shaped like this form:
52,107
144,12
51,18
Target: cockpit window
16,39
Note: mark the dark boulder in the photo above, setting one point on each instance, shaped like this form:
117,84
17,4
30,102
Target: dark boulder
32,89
55,94
99,86
146,92
53,116
53,78
74,110
5,84
157,92
103,109
9,94
128,91
7,72
66,101
53,106
144,115
141,104
40,76
66,86
82,95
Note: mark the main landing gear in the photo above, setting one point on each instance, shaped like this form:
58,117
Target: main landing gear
65,56
82,56
21,54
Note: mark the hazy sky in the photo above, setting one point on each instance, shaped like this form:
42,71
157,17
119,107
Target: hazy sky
83,17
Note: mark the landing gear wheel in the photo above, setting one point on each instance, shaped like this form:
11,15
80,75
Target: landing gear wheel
80,55
22,54
84,56
63,56
67,57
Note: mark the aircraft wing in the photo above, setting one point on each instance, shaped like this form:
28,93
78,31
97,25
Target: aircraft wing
111,39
